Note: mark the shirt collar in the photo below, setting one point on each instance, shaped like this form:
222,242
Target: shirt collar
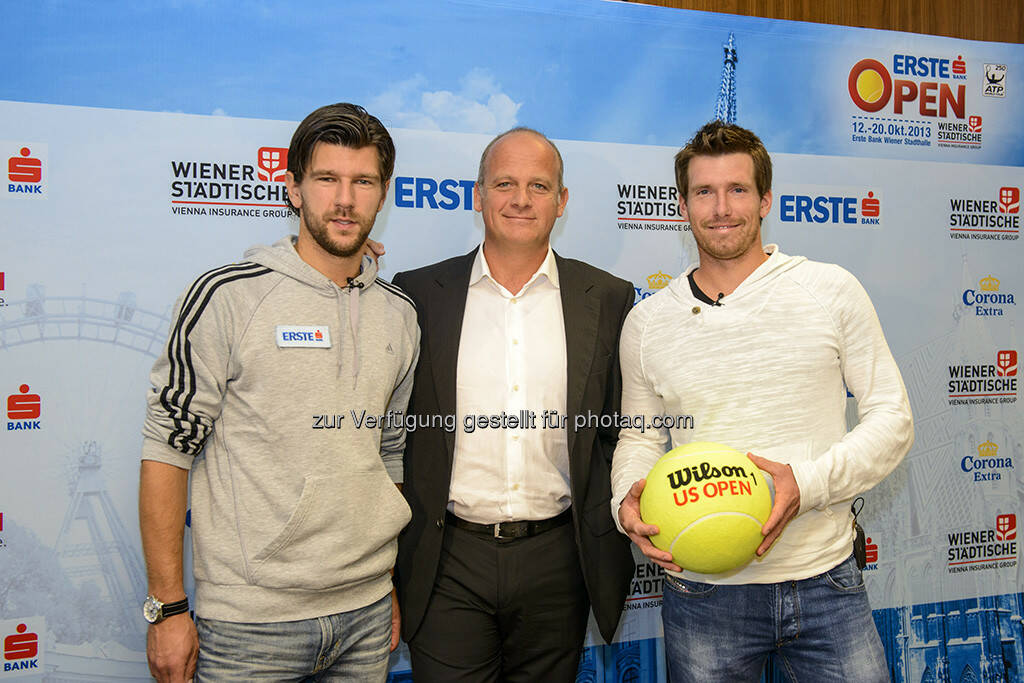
548,268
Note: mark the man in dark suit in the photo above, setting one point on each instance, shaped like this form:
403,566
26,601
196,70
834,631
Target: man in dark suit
507,471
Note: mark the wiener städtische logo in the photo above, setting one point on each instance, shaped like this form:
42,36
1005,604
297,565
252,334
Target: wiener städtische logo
992,217
985,382
982,549
226,189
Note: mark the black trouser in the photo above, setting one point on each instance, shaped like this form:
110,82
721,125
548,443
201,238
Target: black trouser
503,610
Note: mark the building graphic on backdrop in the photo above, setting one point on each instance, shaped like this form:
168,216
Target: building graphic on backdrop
960,639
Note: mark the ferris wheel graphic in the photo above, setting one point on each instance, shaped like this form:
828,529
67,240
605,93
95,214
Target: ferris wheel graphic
94,546
121,322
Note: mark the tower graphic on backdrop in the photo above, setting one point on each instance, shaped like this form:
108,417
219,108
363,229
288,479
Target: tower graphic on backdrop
93,542
725,107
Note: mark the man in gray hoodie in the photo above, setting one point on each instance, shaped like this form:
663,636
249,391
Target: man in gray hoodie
282,390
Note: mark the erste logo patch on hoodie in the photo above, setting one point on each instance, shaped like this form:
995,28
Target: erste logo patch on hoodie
306,336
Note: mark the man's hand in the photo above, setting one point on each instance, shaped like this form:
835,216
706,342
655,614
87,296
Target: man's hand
373,249
396,620
638,532
172,647
787,499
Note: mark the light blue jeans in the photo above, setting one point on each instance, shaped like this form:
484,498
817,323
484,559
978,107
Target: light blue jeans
819,629
349,646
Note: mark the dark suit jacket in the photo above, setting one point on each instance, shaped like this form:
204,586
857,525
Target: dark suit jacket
594,305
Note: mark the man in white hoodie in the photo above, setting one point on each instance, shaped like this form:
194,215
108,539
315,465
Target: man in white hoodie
281,390
759,348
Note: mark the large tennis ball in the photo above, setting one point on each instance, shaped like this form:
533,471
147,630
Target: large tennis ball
709,502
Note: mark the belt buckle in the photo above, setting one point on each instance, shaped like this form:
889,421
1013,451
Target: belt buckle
497,529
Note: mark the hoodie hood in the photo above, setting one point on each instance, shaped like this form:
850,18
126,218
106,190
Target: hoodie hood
776,264
282,257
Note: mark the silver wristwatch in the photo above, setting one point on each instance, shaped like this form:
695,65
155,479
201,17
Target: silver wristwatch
155,611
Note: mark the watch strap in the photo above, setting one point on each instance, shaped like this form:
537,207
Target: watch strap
171,608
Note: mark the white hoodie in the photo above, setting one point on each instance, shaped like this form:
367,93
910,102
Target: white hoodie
765,372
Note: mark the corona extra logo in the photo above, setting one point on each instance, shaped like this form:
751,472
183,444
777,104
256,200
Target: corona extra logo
872,86
658,280
988,466
987,300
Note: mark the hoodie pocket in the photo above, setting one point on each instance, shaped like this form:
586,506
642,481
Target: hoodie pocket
341,531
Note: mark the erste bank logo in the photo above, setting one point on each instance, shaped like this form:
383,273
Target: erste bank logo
232,189
994,84
972,384
987,465
24,409
3,302
25,164
870,553
447,194
21,652
996,217
980,549
837,206
987,300
872,87
655,281
303,336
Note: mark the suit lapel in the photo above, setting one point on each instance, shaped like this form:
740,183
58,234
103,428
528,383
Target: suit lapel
445,332
580,311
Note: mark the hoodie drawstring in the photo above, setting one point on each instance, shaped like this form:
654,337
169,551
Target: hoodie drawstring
353,325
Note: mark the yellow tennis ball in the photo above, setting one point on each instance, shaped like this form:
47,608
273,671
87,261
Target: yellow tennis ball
870,85
709,502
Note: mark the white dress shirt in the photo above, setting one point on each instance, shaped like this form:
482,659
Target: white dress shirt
511,360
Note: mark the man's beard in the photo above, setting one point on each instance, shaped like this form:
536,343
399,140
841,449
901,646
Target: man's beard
321,234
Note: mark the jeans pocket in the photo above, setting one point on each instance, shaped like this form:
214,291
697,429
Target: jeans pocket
690,589
846,577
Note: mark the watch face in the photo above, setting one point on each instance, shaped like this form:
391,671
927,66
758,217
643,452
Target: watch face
151,609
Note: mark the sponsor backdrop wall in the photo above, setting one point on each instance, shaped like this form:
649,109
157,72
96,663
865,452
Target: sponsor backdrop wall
145,144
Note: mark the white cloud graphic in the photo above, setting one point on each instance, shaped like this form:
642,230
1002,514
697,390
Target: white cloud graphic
479,106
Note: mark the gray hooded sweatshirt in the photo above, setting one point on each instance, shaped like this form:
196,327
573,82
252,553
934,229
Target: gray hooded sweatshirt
284,394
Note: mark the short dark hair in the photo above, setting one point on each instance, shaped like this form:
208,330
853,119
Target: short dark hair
482,170
717,138
348,125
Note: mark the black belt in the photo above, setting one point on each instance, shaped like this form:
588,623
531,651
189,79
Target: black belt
512,529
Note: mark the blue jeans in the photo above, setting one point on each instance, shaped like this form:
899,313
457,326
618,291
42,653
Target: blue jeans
817,629
349,646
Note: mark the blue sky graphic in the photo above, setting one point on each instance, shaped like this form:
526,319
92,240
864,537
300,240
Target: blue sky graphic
584,70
